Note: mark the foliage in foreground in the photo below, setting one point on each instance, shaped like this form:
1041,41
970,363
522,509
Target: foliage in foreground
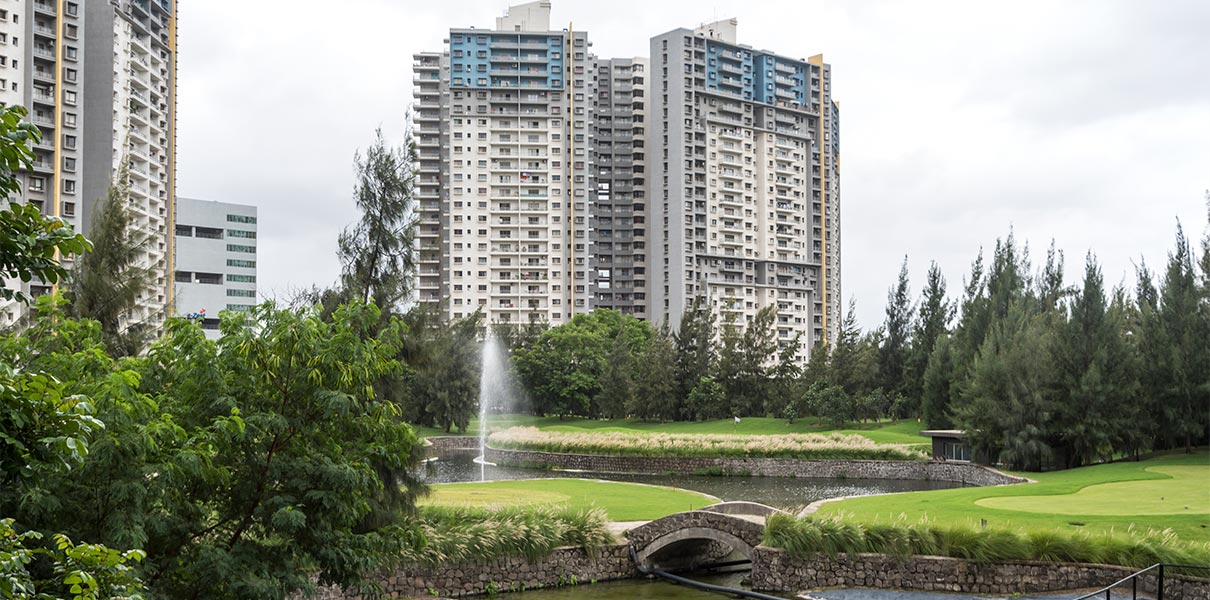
807,536
795,445
476,534
243,466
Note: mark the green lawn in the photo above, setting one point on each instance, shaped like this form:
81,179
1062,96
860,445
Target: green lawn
1113,497
885,432
621,501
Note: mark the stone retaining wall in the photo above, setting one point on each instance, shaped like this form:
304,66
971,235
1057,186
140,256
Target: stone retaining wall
564,566
773,570
451,442
966,473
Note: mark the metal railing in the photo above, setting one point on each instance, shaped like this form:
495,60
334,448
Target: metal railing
1133,580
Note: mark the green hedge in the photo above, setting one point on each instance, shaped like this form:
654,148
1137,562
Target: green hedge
806,536
460,534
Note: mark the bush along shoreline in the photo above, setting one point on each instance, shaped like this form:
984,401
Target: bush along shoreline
804,446
804,537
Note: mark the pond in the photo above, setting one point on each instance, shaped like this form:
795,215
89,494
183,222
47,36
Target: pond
786,493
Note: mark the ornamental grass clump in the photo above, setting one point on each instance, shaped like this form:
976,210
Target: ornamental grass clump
807,536
462,534
817,446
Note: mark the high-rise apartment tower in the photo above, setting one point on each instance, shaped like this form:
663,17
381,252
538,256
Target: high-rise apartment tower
744,157
99,79
502,130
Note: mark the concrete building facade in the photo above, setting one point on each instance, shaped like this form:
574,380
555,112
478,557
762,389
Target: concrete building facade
744,160
553,182
502,127
99,80
215,260
619,204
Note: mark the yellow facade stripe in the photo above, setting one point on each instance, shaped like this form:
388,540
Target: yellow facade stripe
170,261
57,182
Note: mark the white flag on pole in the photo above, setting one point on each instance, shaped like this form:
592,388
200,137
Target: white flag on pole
737,419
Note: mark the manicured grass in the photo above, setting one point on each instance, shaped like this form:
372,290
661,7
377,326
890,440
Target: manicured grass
620,501
1103,498
884,432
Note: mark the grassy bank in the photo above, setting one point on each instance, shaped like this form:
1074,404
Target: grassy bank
1169,492
460,533
618,501
807,536
884,432
616,443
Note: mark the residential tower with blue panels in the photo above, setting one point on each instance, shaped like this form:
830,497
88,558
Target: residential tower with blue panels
503,122
745,171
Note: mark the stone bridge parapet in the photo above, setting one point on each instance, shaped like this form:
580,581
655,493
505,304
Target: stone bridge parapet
742,533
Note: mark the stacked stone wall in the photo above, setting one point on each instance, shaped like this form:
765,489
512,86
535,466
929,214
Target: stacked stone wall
966,473
774,570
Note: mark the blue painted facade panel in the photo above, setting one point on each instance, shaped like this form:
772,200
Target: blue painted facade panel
754,75
492,59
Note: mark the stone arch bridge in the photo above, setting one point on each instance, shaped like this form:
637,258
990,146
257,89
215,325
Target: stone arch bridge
695,537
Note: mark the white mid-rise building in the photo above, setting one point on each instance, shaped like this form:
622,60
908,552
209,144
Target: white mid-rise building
215,260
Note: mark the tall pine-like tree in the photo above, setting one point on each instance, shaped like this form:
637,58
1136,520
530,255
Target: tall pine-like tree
932,321
107,284
893,354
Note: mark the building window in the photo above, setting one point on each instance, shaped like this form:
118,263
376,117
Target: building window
37,184
184,277
239,307
209,278
209,233
240,233
184,231
69,186
233,278
247,264
241,248
242,293
240,219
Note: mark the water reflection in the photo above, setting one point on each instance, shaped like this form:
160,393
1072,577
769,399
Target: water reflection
782,492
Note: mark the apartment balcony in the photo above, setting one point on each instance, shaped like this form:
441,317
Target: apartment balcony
44,30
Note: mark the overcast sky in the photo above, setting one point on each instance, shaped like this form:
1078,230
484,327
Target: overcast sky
1085,122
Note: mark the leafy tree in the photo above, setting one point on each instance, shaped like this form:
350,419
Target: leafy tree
30,242
442,365
709,400
1008,408
785,380
695,354
831,403
108,282
656,397
562,370
893,354
1098,388
937,390
854,358
618,389
1183,393
817,368
377,255
743,370
244,465
932,322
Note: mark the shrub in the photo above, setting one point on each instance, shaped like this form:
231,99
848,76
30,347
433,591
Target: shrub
807,536
465,534
799,445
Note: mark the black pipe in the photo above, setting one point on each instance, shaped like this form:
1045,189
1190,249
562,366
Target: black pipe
697,584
